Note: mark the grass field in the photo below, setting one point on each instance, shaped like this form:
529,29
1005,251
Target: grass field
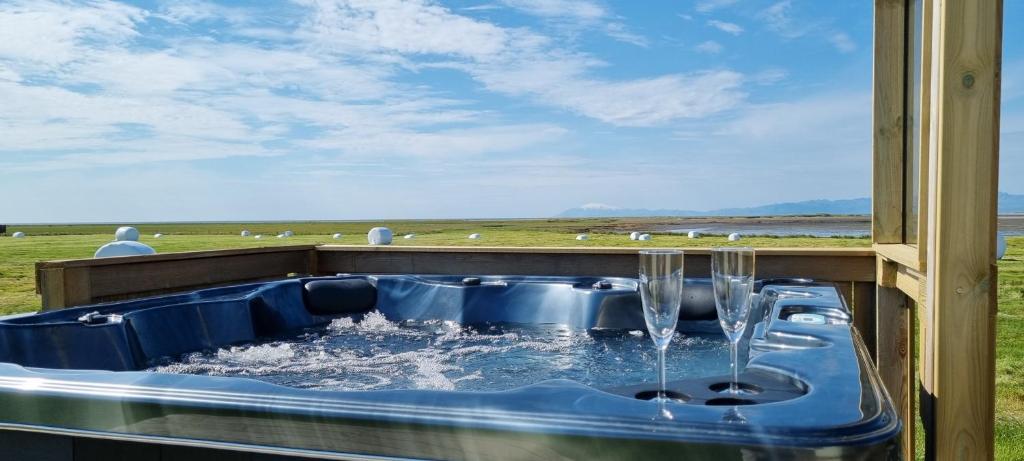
50,242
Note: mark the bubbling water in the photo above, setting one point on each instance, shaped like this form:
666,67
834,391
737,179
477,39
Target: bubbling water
375,353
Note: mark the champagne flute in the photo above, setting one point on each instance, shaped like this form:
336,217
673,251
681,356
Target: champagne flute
732,274
661,290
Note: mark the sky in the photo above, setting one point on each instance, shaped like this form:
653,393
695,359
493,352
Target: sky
365,109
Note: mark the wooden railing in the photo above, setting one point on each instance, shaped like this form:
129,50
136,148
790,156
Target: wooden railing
78,282
86,281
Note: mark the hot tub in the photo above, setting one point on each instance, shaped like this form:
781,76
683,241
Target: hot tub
100,372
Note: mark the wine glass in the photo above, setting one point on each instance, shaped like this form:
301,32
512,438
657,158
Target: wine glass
732,274
661,290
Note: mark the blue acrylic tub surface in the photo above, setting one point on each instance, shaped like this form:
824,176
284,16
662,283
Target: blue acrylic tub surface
77,371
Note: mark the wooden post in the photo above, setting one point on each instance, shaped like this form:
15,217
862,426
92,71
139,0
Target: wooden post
864,315
924,140
895,359
961,247
313,262
888,122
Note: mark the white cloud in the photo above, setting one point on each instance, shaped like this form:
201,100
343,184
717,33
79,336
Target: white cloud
709,47
842,42
94,92
51,34
579,14
814,143
638,102
440,143
727,27
576,9
618,31
776,17
406,27
705,6
768,76
481,7
194,11
818,117
520,62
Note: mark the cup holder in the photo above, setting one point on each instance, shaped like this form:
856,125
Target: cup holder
744,388
756,387
728,401
672,395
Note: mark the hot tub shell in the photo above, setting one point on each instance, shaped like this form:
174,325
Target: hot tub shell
74,373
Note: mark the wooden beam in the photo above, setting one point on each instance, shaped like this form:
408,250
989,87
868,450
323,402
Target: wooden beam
895,359
912,284
173,256
906,255
85,281
833,264
888,122
964,170
110,282
886,272
842,252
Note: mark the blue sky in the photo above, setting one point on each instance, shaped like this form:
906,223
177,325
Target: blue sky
355,109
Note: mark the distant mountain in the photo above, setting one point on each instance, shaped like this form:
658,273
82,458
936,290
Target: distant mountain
1011,203
1008,203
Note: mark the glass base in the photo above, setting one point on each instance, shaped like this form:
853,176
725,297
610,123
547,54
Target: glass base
668,396
741,388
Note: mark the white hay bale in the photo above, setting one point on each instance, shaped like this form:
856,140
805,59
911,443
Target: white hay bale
1000,245
634,236
126,234
157,235
280,236
18,235
289,233
734,237
644,237
336,236
123,248
474,236
409,236
693,234
258,236
245,233
379,236
582,237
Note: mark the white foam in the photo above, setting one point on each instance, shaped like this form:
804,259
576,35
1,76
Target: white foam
373,352
265,353
376,322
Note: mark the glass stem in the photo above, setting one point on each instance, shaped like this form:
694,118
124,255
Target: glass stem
662,381
734,385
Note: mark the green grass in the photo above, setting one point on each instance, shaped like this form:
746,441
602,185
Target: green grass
50,242
1010,354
